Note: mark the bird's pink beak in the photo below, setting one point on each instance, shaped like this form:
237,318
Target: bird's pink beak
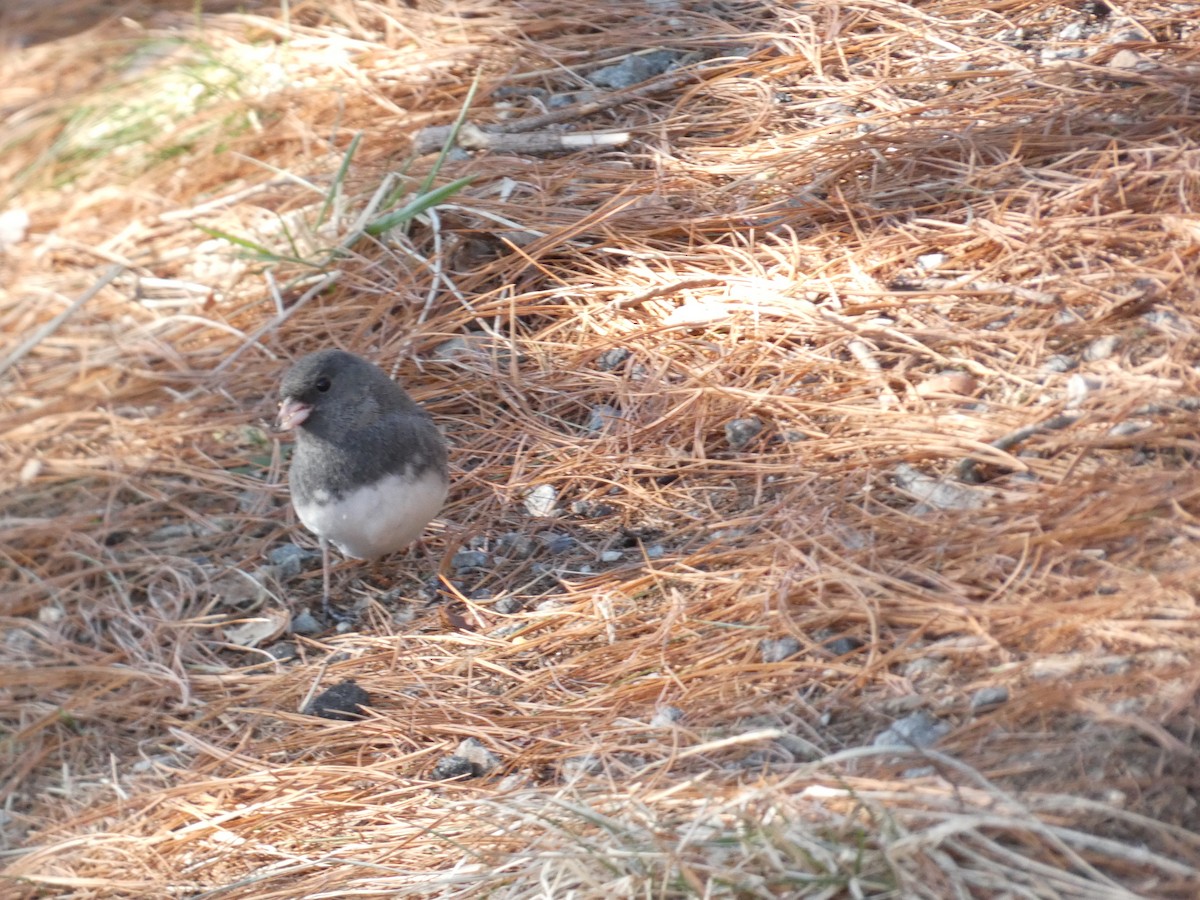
292,414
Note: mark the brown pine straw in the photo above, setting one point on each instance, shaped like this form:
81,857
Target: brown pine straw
762,248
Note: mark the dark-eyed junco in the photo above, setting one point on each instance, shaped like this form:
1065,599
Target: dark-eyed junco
369,468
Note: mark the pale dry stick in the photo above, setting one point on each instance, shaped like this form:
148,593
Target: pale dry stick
491,216
864,328
368,213
696,281
312,688
472,137
861,351
435,265
429,139
664,290
275,295
40,334
278,320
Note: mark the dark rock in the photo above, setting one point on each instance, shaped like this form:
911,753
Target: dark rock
284,651
601,418
289,559
560,543
508,606
917,730
514,545
469,559
633,70
666,716
343,701
989,696
482,760
592,509
740,432
610,359
452,767
775,650
843,645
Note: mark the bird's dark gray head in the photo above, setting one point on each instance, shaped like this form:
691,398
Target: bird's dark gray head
333,390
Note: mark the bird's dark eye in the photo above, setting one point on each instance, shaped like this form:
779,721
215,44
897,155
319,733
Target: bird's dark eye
323,384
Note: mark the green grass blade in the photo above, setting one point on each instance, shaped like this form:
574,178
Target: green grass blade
416,206
338,179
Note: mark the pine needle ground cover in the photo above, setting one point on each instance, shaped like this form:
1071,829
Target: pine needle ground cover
821,388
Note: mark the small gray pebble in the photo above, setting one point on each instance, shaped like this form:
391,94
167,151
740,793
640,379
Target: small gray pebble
305,623
1059,363
1125,37
557,101
601,418
1166,321
917,730
775,650
656,551
741,432
284,651
729,534
288,559
469,559
1124,429
610,556
989,696
632,70
592,509
1101,348
1064,53
170,533
514,545
248,501
610,359
508,606
999,324
666,716
560,543
922,666
452,767
588,764
843,645
342,701
1078,387
481,758
1073,32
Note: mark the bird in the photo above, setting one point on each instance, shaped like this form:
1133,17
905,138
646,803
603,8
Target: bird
369,470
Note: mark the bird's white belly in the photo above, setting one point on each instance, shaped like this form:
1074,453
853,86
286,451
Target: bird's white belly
377,519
